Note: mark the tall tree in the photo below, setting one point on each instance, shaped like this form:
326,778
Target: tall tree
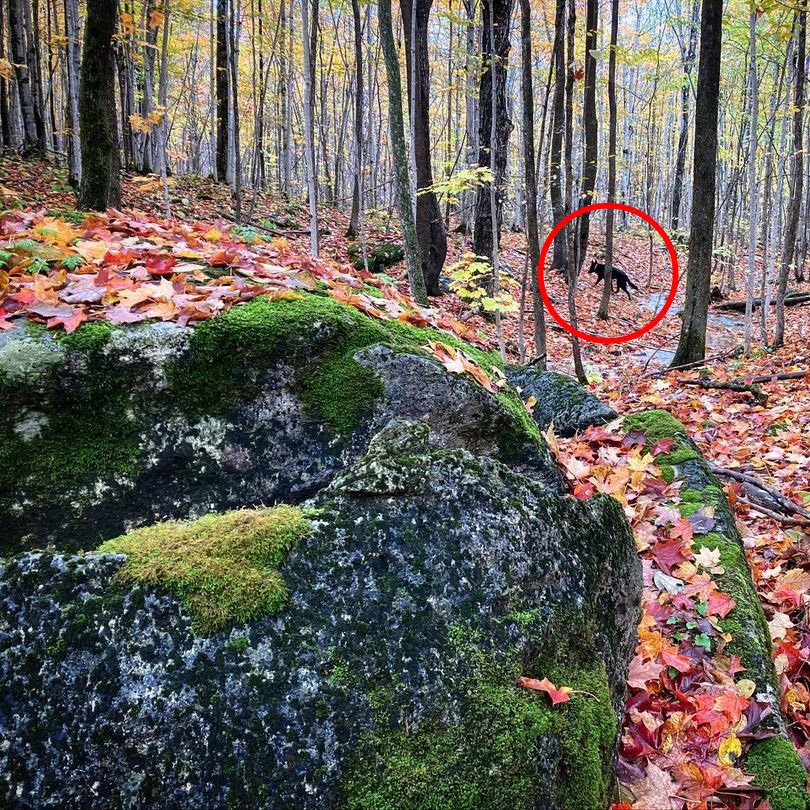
429,224
73,63
223,96
25,74
604,304
100,185
357,183
494,48
310,47
789,244
399,155
5,112
591,124
692,342
688,45
753,183
558,203
532,230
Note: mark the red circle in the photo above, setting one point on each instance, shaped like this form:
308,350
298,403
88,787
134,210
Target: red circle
587,335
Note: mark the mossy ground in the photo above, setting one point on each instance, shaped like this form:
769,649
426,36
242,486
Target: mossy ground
773,761
223,568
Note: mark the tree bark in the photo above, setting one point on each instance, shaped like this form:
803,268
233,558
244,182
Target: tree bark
400,155
532,230
692,343
73,60
100,185
753,186
591,125
429,224
309,113
792,226
604,304
354,221
33,142
558,206
501,11
223,98
688,59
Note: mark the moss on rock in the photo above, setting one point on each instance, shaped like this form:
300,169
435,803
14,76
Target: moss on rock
223,568
779,772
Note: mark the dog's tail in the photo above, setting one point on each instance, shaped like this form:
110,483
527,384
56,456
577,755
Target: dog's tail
631,285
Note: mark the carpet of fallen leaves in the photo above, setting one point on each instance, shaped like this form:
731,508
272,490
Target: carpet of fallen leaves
691,710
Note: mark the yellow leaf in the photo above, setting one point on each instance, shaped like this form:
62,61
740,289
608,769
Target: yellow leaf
730,749
213,235
91,251
745,687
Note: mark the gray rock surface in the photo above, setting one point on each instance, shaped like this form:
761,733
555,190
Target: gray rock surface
433,578
560,399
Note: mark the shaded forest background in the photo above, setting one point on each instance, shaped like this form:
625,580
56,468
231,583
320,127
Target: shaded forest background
356,106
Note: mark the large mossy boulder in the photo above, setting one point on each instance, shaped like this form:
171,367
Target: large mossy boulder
359,651
560,400
111,428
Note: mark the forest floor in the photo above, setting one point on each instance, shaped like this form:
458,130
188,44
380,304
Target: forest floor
682,734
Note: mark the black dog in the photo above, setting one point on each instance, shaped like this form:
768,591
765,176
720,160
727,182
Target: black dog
617,275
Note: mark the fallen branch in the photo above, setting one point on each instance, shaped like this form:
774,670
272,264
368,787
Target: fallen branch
739,306
754,390
787,375
782,501
694,364
783,519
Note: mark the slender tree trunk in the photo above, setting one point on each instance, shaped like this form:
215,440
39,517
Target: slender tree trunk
429,224
223,98
532,231
558,206
354,222
692,343
100,186
688,59
309,132
604,304
789,244
400,154
591,151
73,60
753,185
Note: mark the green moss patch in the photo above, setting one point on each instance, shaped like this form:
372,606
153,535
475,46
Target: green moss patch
655,425
779,772
223,568
499,753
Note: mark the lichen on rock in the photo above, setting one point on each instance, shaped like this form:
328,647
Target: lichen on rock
421,582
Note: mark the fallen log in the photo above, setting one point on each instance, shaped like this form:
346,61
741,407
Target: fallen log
695,364
739,306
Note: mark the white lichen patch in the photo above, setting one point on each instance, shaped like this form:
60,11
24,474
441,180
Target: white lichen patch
30,425
27,360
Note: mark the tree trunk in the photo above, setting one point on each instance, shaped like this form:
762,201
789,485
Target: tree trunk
753,186
309,132
33,142
223,99
354,222
560,258
400,155
532,231
591,124
692,343
688,59
100,186
604,304
73,60
495,159
789,245
429,225
5,112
